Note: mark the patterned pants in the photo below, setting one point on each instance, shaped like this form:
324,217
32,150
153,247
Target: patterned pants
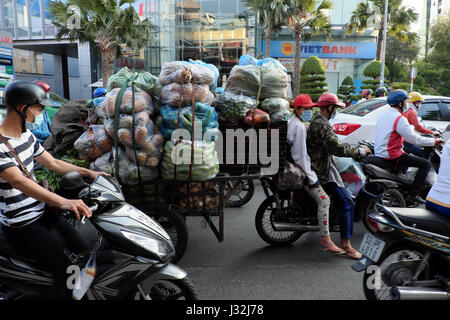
323,207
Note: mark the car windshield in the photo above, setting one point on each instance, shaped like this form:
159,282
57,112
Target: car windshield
363,108
57,100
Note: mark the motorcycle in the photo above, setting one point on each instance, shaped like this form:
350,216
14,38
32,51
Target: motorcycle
378,170
285,215
133,253
408,257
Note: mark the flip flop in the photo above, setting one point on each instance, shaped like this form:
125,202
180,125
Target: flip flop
356,255
341,252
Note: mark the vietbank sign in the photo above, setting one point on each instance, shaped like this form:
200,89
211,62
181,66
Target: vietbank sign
336,50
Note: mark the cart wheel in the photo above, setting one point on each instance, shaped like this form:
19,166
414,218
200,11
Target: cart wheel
242,194
175,225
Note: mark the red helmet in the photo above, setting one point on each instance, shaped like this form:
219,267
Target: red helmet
328,99
366,92
303,100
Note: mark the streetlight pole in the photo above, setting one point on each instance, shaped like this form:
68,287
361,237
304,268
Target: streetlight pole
383,54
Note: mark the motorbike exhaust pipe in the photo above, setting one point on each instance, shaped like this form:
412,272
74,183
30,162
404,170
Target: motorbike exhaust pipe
283,226
418,293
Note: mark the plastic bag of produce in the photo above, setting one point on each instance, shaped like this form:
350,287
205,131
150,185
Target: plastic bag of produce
142,102
282,115
273,105
244,80
204,114
150,153
275,81
93,143
103,163
144,80
171,94
245,60
143,129
234,107
205,166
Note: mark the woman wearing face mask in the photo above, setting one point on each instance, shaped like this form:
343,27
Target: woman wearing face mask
297,138
322,143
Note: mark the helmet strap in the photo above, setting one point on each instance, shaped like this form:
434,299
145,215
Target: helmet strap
330,112
23,116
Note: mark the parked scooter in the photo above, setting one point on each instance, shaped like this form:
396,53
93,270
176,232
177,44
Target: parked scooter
133,253
408,257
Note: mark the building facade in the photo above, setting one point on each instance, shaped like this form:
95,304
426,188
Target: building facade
220,31
67,67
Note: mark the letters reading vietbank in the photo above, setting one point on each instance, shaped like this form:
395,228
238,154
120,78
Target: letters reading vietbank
321,49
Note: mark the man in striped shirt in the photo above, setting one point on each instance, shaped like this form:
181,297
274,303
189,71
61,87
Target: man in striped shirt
26,224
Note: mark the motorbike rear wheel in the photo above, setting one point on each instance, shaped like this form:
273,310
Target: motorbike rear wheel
398,275
180,289
392,198
266,215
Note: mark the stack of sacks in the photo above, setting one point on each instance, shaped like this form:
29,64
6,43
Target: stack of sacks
179,80
148,142
250,76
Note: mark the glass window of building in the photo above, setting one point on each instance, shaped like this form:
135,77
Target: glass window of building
8,16
36,21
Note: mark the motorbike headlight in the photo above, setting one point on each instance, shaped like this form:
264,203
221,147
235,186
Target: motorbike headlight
149,222
159,247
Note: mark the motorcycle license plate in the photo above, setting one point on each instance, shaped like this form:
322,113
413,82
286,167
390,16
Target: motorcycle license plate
372,247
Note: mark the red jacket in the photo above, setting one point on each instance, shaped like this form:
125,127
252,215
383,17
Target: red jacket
411,116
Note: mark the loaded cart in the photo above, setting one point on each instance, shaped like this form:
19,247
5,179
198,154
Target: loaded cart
171,201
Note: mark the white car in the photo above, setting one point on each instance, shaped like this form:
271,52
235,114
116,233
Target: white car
357,122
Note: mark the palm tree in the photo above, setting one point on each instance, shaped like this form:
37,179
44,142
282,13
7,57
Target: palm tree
371,13
108,24
271,15
306,14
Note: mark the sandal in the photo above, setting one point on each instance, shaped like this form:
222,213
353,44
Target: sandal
333,249
353,254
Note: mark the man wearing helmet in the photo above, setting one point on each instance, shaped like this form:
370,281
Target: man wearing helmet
99,96
322,143
366,94
380,92
26,222
411,115
391,130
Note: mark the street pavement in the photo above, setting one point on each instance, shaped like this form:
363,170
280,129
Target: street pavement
244,267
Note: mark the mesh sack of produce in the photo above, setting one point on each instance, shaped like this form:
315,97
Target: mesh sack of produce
233,107
204,114
244,80
211,67
142,102
273,105
172,72
144,80
204,167
144,128
150,153
171,94
93,143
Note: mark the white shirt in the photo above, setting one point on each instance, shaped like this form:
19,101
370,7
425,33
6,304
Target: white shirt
297,136
441,189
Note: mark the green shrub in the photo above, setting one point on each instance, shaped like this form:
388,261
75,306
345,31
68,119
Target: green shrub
312,78
346,90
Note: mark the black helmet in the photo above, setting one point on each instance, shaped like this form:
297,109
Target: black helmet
27,93
380,92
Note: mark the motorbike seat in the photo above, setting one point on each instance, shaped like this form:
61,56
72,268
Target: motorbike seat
380,162
424,219
6,248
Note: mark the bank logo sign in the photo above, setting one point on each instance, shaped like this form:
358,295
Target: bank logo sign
330,50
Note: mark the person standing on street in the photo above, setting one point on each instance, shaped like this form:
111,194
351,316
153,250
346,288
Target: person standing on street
322,143
297,138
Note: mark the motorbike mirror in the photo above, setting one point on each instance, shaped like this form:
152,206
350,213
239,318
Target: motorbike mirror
448,128
72,180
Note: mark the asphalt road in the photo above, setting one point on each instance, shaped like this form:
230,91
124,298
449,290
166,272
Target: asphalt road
244,267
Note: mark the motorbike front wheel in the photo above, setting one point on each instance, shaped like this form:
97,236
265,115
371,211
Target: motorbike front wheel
267,214
377,288
180,289
242,193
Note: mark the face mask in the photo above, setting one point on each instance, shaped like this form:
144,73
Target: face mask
307,115
406,107
36,124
